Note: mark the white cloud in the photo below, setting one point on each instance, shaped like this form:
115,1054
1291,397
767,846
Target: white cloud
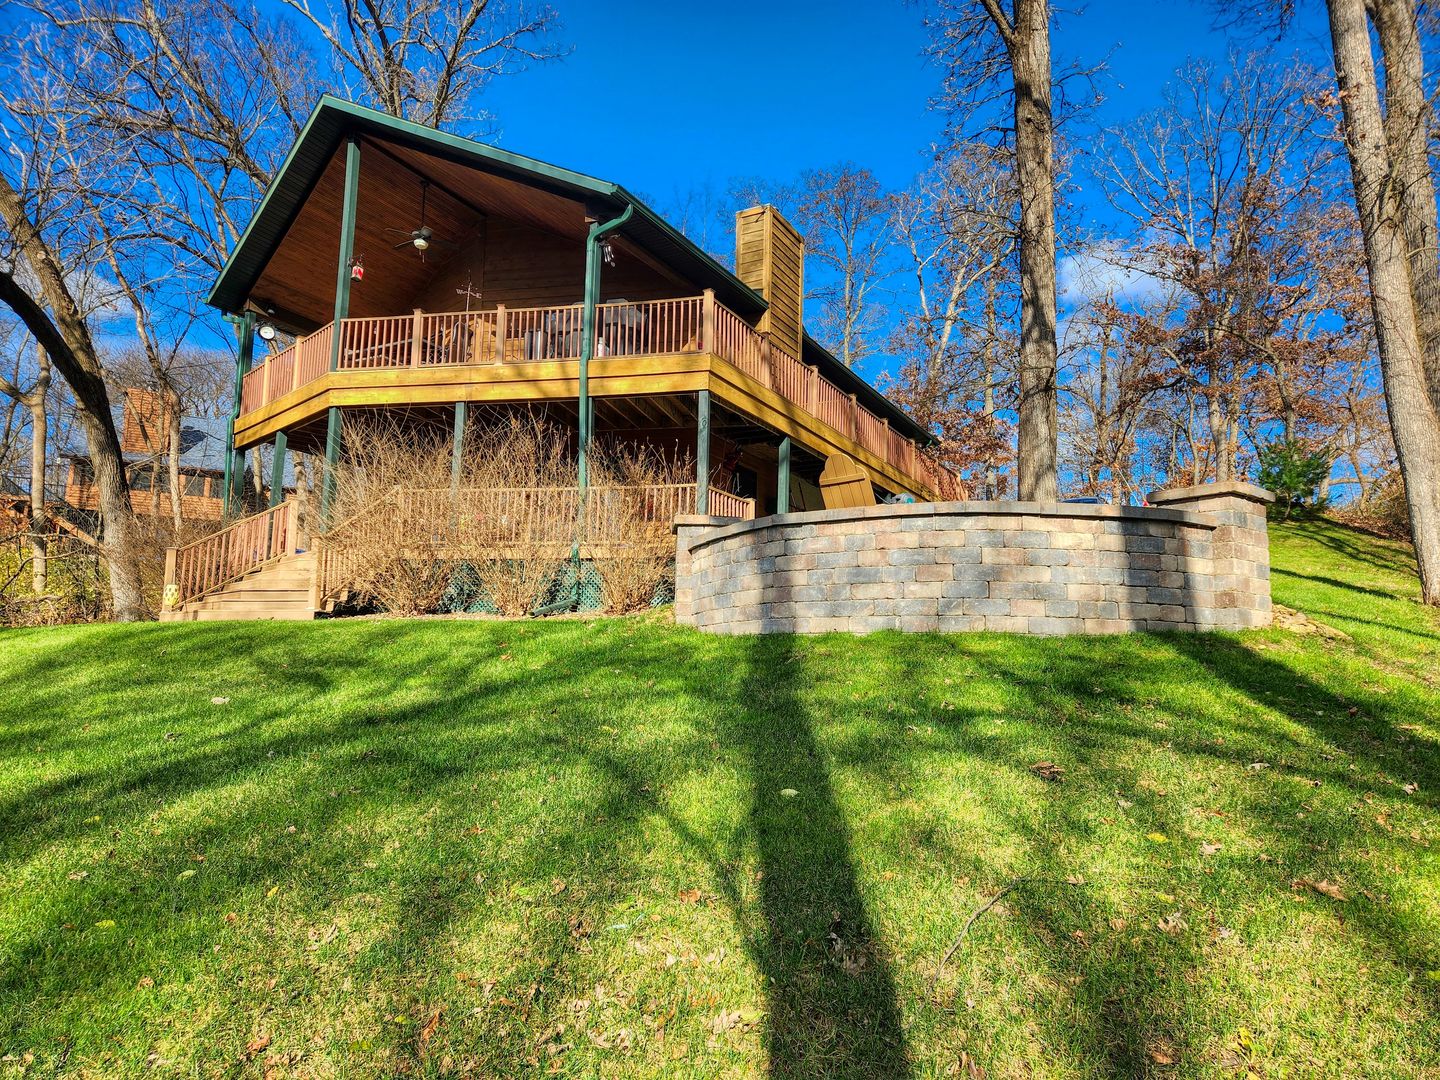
1100,270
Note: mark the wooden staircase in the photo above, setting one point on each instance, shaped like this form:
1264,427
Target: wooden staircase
281,589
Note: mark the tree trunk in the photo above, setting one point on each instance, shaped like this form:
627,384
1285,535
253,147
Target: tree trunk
172,426
1029,51
39,569
72,351
1407,138
1413,420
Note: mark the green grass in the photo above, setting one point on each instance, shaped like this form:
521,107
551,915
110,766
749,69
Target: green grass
572,843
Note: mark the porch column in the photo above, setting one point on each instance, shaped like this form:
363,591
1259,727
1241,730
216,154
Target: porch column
332,462
277,470
457,449
235,462
347,247
702,452
782,482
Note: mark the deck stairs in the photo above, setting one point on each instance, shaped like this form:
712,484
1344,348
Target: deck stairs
281,589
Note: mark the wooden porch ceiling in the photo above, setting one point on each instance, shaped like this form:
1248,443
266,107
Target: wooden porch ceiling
298,283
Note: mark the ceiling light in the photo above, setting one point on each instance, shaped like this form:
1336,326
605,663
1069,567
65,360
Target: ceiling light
266,331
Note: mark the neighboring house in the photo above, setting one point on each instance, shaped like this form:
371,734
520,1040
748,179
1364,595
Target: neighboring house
144,445
411,272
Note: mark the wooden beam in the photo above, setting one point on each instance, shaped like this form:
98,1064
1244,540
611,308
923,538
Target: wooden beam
277,470
702,452
347,246
782,479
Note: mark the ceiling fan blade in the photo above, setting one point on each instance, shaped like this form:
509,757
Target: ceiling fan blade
404,244
402,232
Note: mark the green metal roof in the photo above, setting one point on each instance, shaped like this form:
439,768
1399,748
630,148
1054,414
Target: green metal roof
334,119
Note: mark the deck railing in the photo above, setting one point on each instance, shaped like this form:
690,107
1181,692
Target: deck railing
503,335
206,564
469,522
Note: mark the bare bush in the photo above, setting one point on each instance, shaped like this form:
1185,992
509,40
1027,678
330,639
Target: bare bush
410,529
637,493
390,535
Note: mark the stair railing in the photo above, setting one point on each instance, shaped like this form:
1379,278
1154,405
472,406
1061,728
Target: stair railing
207,564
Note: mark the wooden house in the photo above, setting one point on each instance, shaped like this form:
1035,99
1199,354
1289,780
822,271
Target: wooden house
144,441
395,267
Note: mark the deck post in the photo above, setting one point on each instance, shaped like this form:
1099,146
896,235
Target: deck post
235,461
347,251
782,483
416,328
707,321
171,593
332,462
499,333
702,452
457,449
277,469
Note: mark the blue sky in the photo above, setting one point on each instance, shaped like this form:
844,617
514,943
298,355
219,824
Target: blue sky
665,97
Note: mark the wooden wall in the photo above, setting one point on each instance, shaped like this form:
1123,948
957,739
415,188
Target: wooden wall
81,493
518,266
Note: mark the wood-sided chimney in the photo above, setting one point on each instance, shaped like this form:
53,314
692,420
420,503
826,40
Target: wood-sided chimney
770,258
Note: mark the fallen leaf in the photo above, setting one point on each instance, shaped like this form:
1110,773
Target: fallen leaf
788,793
1117,925
1162,1052
219,701
1207,848
429,1029
79,875
255,1045
1324,888
1173,923
145,982
1410,789
689,896
185,874
1157,838
1256,766
1048,771
105,924
967,1066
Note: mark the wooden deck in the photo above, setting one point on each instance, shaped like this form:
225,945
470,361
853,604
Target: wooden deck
531,355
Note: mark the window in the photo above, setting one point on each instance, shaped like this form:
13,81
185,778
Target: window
140,478
195,484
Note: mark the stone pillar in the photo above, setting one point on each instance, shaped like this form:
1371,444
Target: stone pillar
688,529
1240,547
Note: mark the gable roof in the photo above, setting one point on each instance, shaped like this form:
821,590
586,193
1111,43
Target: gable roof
334,119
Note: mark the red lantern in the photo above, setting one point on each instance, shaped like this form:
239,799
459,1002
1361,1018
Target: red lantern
357,271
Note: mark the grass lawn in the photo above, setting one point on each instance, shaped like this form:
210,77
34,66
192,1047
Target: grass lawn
619,848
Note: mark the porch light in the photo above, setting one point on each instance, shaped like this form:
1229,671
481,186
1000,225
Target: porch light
266,330
421,242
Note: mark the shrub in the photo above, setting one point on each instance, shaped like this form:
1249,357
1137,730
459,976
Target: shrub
1295,471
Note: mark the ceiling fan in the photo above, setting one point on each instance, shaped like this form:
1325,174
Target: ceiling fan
420,238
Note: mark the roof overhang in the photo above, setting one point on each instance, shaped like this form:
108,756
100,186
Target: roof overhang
334,120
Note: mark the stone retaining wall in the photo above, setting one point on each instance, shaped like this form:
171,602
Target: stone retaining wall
1197,559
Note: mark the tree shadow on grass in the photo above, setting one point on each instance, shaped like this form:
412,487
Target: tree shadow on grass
832,1008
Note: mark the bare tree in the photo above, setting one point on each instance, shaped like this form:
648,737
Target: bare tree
32,399
847,223
429,60
1388,194
990,48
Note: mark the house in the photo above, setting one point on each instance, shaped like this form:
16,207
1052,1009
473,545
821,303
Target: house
392,267
144,446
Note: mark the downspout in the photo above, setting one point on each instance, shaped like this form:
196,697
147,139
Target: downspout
598,231
245,330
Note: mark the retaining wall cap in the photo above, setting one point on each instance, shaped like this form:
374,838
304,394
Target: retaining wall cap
724,528
1237,488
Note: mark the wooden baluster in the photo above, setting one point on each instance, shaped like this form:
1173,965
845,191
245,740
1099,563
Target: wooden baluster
265,380
854,417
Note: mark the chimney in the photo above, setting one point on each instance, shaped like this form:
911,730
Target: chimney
146,426
770,258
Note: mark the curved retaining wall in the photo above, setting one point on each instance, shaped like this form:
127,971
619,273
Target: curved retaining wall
1197,559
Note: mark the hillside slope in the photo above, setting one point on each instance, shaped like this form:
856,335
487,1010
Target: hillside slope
615,847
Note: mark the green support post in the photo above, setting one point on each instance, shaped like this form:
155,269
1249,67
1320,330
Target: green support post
347,246
332,462
457,450
235,462
277,470
702,452
782,481
598,232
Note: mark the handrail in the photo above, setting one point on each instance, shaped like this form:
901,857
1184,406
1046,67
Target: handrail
467,521
500,335
204,565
